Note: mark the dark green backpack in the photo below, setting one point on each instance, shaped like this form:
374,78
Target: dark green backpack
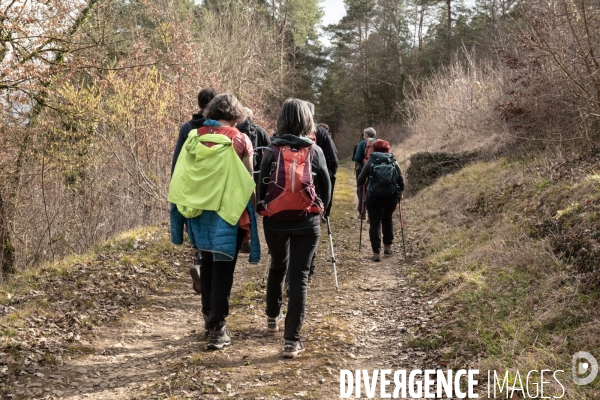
383,177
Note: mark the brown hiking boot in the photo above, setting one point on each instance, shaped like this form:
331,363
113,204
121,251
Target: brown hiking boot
387,250
376,257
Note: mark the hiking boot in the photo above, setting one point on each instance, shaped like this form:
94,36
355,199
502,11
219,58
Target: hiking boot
273,323
195,273
376,257
218,338
387,250
291,349
245,247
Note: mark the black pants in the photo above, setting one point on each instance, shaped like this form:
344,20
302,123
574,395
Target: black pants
216,280
381,211
293,250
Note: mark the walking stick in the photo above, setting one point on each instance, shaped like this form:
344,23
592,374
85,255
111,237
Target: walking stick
402,227
362,215
332,254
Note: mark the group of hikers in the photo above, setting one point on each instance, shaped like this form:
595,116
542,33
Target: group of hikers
226,170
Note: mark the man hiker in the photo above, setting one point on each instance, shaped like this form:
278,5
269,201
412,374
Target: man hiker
197,121
385,184
324,141
259,138
361,156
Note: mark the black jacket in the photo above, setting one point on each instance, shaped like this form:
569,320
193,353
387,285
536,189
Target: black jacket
262,137
326,144
366,171
196,122
321,179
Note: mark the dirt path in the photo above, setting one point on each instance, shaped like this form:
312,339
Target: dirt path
157,350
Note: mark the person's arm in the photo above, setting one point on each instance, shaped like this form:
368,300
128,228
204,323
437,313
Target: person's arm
322,172
364,174
184,131
360,152
265,173
400,178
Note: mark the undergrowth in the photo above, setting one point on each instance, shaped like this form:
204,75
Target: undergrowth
512,246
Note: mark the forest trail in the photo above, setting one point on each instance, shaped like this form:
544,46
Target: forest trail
158,348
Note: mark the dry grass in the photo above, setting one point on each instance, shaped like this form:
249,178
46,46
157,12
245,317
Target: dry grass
455,110
511,301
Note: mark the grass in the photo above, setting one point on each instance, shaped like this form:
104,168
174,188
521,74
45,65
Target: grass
510,299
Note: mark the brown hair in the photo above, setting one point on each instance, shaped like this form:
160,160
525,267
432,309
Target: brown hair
225,107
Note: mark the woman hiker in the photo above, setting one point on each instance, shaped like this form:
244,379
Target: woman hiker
212,186
292,211
384,190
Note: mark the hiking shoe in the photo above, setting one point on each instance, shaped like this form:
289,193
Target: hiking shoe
292,349
245,247
195,273
218,338
376,257
273,323
387,250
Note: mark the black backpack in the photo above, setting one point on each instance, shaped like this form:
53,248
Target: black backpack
383,176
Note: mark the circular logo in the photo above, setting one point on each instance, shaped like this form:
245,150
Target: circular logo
584,364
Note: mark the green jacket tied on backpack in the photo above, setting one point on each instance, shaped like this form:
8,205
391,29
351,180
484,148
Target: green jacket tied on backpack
210,178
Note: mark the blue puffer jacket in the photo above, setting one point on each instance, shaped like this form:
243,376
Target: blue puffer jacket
209,232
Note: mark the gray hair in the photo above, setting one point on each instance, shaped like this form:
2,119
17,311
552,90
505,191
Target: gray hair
295,118
370,132
249,113
311,107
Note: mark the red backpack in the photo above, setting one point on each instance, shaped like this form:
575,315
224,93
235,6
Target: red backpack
291,194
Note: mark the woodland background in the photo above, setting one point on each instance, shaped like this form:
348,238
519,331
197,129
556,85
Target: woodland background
92,93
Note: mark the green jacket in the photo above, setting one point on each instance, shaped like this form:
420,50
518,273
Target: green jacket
210,178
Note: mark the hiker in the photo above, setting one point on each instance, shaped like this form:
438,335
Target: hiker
291,213
384,190
361,156
204,97
258,136
214,189
324,141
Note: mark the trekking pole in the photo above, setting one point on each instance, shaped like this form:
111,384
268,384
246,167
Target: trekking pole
332,254
362,216
402,227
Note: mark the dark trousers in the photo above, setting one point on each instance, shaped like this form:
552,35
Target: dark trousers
381,211
216,280
293,250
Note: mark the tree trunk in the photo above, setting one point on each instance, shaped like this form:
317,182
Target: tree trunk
7,255
449,27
